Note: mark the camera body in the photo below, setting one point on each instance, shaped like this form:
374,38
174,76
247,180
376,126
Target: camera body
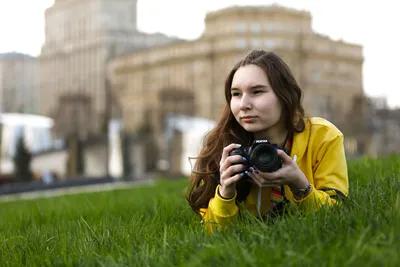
261,154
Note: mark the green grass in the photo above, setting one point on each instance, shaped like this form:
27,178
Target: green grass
153,226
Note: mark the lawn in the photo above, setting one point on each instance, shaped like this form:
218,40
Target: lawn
154,226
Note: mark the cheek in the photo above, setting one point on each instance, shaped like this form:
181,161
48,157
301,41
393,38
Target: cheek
234,107
273,106
278,109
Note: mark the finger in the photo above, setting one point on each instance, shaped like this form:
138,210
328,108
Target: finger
233,169
284,157
250,178
253,179
233,160
256,178
261,181
268,175
226,150
234,179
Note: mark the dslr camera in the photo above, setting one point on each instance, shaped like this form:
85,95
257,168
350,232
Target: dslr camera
261,154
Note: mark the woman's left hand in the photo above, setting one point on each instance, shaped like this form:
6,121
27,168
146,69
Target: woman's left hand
290,174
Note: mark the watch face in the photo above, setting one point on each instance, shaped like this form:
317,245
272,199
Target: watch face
303,192
308,189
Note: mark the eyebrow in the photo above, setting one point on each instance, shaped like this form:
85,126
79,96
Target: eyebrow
258,86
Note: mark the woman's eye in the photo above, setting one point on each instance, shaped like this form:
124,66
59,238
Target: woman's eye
258,92
235,94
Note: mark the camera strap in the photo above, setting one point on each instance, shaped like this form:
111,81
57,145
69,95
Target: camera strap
278,198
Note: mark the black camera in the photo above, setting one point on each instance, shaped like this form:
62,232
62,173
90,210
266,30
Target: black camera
261,154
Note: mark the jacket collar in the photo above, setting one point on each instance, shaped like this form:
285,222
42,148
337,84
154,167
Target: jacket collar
300,141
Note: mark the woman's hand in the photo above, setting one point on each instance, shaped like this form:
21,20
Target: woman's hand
290,174
231,171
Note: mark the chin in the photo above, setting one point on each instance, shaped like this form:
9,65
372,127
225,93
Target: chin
252,128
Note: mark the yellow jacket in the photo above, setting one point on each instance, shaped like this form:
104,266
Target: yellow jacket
319,154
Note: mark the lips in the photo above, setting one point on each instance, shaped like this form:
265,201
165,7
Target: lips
248,118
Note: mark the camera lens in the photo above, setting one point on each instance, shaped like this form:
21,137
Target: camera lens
265,158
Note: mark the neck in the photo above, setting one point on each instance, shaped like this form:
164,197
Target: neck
275,135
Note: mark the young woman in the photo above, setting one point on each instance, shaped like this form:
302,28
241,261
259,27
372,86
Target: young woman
264,103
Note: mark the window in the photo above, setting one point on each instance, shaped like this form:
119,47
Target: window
255,27
241,43
240,27
269,27
256,43
269,43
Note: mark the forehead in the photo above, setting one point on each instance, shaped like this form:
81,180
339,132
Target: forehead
248,76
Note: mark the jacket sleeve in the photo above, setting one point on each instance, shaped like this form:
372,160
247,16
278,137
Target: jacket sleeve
219,213
330,179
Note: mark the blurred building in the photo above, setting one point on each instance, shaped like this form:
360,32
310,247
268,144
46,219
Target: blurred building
80,38
386,138
378,102
373,129
19,83
187,78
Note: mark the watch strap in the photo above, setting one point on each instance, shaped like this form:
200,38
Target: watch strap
302,192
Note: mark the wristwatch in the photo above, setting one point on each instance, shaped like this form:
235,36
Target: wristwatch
300,193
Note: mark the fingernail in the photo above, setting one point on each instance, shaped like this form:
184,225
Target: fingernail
244,159
256,171
250,169
238,145
242,174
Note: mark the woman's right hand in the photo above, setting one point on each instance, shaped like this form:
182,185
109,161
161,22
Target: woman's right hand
231,170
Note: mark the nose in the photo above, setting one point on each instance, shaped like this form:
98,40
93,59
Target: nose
245,103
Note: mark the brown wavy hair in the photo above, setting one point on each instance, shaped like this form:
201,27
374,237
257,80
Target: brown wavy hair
205,174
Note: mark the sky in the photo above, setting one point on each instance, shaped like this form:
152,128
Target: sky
371,24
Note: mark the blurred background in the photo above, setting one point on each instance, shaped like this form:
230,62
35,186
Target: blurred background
126,89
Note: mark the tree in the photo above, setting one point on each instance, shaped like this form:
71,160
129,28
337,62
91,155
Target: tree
22,160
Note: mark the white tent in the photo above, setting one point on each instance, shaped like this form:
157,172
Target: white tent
193,131
35,129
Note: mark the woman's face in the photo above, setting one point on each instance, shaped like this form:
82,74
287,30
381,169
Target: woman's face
254,103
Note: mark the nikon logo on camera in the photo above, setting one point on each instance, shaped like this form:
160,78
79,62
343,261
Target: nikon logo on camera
261,141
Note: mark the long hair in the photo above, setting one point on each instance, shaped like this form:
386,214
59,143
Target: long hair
205,174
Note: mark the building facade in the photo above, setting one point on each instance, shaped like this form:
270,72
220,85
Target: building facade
19,83
373,128
80,38
188,77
